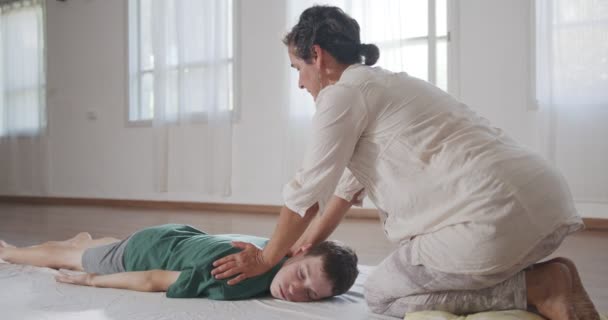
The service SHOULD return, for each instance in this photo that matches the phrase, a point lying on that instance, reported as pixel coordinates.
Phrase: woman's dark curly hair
(334, 31)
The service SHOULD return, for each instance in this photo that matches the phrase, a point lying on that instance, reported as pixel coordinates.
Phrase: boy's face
(301, 279)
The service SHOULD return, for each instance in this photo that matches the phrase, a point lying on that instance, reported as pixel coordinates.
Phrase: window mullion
(140, 73)
(432, 42)
(180, 67)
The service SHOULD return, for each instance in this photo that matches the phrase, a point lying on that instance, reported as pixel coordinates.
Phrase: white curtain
(572, 91)
(572, 52)
(401, 29)
(190, 49)
(23, 139)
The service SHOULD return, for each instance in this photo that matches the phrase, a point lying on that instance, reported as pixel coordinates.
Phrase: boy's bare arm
(148, 281)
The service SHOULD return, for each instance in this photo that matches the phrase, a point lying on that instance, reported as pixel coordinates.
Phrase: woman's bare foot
(585, 310)
(550, 290)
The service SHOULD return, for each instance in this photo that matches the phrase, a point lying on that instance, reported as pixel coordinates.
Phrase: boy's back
(183, 248)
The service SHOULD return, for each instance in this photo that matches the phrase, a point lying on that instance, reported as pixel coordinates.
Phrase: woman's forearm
(324, 225)
(288, 230)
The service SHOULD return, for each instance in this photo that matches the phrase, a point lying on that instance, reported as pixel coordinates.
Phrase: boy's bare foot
(3, 252)
(80, 238)
(76, 241)
(550, 290)
(3, 244)
(585, 310)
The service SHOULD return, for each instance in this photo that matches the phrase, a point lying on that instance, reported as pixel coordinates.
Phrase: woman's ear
(317, 56)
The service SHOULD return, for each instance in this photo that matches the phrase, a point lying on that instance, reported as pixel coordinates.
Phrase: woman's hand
(292, 251)
(245, 264)
(252, 261)
(299, 250)
(84, 279)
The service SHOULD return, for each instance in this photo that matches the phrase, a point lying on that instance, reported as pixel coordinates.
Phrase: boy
(178, 259)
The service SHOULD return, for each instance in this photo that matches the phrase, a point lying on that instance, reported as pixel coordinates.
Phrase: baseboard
(355, 213)
(596, 224)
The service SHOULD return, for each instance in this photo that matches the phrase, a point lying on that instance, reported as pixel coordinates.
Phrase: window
(22, 71)
(572, 52)
(181, 59)
(412, 35)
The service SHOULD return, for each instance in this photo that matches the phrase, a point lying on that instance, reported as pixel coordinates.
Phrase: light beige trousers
(397, 286)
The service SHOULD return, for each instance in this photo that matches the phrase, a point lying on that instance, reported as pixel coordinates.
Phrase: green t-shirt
(183, 248)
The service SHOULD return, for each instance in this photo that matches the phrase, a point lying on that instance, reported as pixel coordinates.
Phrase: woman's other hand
(245, 264)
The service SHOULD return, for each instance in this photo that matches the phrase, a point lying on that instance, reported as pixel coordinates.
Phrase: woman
(471, 209)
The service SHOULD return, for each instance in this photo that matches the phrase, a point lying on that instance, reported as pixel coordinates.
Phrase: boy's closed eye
(309, 292)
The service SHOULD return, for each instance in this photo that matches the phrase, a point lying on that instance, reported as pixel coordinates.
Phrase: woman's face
(308, 74)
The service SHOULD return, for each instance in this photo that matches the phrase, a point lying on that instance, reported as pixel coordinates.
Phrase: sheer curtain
(572, 91)
(23, 139)
(186, 78)
(572, 52)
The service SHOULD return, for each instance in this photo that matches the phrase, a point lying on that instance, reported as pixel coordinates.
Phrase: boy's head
(325, 270)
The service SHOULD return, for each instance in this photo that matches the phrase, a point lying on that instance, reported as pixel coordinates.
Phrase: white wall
(87, 63)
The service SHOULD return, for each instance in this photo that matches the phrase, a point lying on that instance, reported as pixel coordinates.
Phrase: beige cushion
(492, 315)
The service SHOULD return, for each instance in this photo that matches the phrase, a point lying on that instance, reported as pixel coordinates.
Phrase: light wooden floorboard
(30, 224)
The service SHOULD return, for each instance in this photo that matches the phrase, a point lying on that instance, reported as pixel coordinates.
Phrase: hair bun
(370, 52)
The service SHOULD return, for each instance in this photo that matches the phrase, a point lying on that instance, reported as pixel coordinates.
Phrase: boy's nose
(294, 289)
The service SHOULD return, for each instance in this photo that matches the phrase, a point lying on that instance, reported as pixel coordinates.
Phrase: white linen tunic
(469, 198)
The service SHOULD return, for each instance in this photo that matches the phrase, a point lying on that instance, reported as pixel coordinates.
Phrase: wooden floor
(30, 224)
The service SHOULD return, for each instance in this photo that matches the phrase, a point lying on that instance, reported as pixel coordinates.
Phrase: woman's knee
(375, 303)
(377, 300)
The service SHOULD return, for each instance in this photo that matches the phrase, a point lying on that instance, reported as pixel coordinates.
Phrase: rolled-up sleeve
(339, 121)
(348, 187)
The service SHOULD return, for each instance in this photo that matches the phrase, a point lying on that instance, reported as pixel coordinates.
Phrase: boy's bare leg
(81, 240)
(53, 254)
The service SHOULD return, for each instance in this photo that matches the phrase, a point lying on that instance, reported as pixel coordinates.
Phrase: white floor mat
(28, 293)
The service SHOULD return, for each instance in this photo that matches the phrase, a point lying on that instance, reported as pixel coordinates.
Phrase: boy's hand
(245, 264)
(85, 279)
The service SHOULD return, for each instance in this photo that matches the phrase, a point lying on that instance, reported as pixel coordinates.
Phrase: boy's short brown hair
(339, 264)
